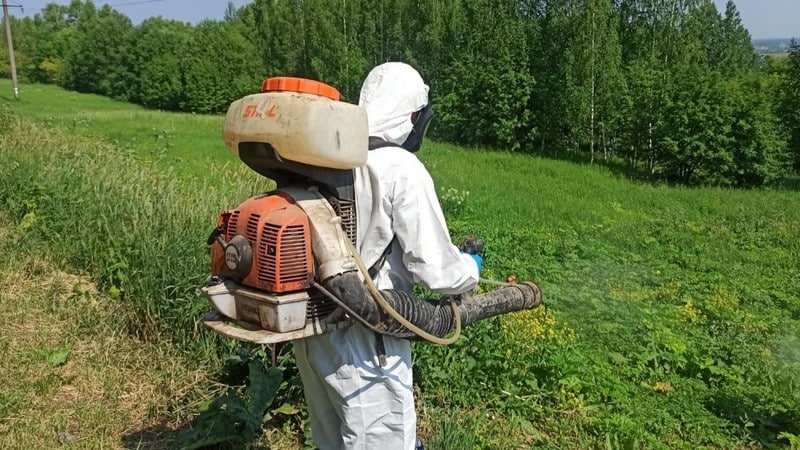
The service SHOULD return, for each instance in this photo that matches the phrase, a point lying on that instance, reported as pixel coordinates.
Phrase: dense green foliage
(790, 107)
(672, 319)
(156, 65)
(95, 60)
(671, 90)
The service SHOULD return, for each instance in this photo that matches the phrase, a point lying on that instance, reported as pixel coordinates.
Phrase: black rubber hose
(349, 288)
(432, 316)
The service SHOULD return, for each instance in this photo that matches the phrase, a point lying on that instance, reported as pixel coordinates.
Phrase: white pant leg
(353, 402)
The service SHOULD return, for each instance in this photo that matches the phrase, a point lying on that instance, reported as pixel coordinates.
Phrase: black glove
(473, 246)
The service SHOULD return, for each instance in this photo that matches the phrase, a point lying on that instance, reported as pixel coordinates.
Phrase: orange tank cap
(301, 85)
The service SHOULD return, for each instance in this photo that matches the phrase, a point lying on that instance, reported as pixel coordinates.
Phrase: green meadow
(671, 318)
(152, 135)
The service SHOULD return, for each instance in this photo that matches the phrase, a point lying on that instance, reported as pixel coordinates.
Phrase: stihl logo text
(262, 110)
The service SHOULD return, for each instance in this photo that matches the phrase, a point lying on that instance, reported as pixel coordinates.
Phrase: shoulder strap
(379, 263)
(376, 142)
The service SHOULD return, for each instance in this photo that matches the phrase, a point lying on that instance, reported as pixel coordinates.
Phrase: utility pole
(10, 50)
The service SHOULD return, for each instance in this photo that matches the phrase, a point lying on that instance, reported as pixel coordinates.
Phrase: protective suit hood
(390, 94)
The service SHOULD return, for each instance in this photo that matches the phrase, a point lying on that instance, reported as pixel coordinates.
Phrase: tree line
(671, 90)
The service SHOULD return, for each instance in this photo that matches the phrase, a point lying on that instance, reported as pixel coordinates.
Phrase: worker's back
(396, 205)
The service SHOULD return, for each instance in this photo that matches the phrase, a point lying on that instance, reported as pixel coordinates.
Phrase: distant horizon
(775, 39)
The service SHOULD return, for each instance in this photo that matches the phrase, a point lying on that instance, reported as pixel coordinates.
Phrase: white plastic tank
(303, 120)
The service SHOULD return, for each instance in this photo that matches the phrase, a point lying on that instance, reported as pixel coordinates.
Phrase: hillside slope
(672, 313)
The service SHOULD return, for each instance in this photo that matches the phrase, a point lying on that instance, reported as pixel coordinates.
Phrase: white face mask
(390, 94)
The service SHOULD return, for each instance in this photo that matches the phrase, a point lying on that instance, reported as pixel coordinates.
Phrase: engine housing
(278, 235)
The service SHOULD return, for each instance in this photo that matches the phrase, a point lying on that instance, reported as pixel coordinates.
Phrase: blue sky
(763, 18)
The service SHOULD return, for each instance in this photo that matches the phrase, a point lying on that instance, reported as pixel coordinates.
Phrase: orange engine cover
(278, 233)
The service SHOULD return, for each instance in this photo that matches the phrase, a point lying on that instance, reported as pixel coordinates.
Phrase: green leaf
(264, 384)
(286, 409)
(58, 357)
(617, 358)
(55, 357)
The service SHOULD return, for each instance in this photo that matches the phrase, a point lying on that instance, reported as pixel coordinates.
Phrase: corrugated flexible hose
(400, 314)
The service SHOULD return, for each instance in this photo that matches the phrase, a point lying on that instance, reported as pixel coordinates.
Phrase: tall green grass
(672, 314)
(139, 229)
(163, 139)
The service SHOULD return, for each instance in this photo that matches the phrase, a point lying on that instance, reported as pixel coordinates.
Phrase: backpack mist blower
(283, 263)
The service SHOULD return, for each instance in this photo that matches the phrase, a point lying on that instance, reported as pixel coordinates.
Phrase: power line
(113, 5)
(137, 3)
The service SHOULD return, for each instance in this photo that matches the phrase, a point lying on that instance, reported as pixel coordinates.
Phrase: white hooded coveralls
(353, 402)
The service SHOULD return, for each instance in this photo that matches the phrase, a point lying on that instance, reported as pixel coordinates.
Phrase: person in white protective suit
(354, 402)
